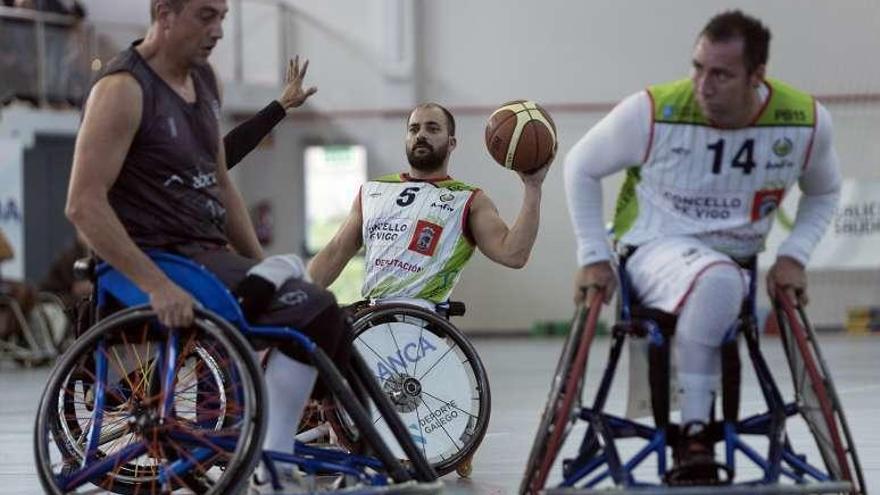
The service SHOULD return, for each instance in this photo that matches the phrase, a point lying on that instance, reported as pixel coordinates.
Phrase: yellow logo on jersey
(782, 147)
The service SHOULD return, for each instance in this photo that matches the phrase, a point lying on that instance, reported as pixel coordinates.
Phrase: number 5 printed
(407, 196)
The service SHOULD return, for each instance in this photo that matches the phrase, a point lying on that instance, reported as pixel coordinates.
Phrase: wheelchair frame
(38, 346)
(599, 459)
(221, 310)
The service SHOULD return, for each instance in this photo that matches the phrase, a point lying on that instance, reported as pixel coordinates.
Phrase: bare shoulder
(118, 85)
(481, 202)
(115, 101)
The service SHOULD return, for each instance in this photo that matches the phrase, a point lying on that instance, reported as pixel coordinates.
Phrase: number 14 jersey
(720, 185)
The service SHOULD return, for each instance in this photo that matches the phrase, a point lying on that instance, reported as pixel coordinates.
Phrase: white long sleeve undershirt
(621, 139)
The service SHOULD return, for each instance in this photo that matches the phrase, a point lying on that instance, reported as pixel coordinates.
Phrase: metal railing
(51, 59)
(39, 57)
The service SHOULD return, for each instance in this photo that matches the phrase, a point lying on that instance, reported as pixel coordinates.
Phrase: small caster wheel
(465, 468)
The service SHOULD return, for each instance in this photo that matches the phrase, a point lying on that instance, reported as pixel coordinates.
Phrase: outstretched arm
(326, 266)
(246, 136)
(512, 246)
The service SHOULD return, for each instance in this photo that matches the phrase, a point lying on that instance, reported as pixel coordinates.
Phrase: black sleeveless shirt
(166, 194)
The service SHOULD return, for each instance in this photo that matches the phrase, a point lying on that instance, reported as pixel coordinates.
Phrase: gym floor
(520, 371)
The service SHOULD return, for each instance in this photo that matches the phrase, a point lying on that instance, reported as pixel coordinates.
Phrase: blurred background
(373, 60)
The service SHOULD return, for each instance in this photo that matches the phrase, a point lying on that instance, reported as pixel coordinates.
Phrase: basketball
(520, 135)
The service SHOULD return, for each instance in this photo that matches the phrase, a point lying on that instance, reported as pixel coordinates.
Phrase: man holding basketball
(419, 228)
(708, 162)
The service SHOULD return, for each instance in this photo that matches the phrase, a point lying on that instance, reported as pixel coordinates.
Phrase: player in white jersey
(709, 160)
(420, 227)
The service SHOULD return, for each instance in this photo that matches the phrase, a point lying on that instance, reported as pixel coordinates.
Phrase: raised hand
(293, 94)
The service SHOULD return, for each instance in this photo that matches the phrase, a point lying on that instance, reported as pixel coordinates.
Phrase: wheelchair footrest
(827, 487)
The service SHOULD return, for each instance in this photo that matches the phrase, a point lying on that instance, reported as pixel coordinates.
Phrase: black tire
(818, 402)
(237, 417)
(565, 391)
(476, 412)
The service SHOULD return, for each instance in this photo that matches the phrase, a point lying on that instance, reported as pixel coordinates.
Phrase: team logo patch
(766, 201)
(447, 197)
(782, 147)
(293, 298)
(425, 238)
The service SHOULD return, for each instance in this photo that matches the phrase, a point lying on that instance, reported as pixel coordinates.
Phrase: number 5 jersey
(416, 236)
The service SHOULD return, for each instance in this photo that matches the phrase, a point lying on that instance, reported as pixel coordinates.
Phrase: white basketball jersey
(414, 235)
(719, 185)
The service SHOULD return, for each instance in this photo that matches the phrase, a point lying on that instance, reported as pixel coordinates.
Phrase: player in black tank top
(149, 172)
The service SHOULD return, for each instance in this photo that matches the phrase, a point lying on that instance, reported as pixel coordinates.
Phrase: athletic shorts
(663, 272)
(296, 304)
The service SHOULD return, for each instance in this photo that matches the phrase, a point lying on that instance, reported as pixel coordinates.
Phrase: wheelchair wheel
(434, 379)
(134, 407)
(562, 402)
(51, 323)
(28, 345)
(817, 398)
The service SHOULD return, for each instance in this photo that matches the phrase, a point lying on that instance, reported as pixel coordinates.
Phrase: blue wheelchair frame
(215, 299)
(599, 458)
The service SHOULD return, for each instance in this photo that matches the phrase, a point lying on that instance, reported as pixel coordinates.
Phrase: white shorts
(663, 272)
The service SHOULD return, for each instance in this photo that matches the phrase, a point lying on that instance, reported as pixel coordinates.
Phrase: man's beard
(428, 162)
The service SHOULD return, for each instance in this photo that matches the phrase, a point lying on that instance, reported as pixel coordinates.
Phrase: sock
(289, 385)
(697, 395)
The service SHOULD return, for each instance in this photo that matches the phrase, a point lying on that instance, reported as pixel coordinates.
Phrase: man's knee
(330, 329)
(327, 325)
(713, 305)
(723, 279)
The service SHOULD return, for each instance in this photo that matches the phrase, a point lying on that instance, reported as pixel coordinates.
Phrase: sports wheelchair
(432, 375)
(599, 458)
(35, 337)
(136, 407)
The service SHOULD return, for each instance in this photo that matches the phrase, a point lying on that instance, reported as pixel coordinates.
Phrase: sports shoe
(290, 479)
(694, 459)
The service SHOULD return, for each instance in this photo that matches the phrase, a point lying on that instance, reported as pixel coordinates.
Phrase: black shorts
(298, 304)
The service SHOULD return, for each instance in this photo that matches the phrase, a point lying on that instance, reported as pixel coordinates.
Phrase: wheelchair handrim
(245, 452)
(842, 459)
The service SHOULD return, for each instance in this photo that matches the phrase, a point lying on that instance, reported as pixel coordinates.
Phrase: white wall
(115, 11)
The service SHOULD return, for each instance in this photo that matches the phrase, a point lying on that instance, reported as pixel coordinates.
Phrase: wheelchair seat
(203, 285)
